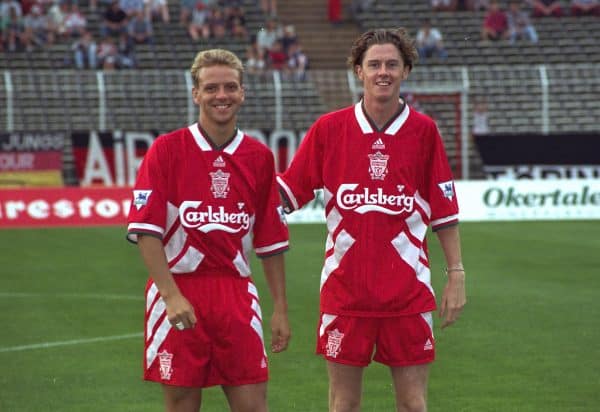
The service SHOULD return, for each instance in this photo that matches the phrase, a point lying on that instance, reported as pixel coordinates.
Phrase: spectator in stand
(255, 60)
(140, 29)
(544, 8)
(236, 22)
(585, 7)
(12, 26)
(217, 23)
(125, 53)
(277, 57)
(114, 21)
(37, 29)
(26, 6)
(186, 8)
(11, 19)
(519, 23)
(495, 23)
(58, 15)
(199, 27)
(75, 22)
(429, 42)
(480, 117)
(237, 29)
(289, 37)
(7, 5)
(443, 5)
(266, 36)
(85, 52)
(269, 7)
(359, 6)
(334, 11)
(108, 53)
(297, 62)
(130, 7)
(477, 5)
(157, 10)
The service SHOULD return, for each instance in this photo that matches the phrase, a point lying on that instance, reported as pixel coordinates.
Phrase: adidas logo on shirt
(378, 144)
(428, 345)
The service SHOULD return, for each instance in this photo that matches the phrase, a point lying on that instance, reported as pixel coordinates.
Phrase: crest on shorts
(334, 342)
(165, 358)
(220, 183)
(378, 165)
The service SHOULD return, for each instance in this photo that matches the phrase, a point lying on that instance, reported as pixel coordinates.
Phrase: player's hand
(280, 331)
(453, 298)
(180, 312)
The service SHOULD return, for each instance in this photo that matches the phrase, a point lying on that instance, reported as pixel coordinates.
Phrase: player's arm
(274, 269)
(153, 255)
(454, 296)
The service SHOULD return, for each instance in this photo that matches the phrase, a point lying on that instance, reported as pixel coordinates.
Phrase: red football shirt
(209, 205)
(382, 190)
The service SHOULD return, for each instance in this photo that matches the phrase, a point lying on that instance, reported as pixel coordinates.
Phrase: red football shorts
(224, 348)
(397, 341)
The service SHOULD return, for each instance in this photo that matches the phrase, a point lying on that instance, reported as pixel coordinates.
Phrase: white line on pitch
(46, 345)
(70, 295)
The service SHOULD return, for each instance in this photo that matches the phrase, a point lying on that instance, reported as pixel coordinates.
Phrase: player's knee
(340, 404)
(254, 402)
(413, 403)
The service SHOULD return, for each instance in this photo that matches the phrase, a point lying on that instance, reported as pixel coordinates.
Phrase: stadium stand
(550, 86)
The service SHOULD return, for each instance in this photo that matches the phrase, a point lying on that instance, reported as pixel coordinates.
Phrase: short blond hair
(215, 57)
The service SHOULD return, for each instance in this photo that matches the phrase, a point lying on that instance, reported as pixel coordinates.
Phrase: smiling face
(219, 95)
(382, 71)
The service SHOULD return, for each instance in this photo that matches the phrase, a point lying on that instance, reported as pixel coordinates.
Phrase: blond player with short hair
(204, 198)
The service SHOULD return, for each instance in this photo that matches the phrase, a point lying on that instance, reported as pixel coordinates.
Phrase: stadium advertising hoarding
(31, 158)
(46, 207)
(112, 158)
(538, 156)
(478, 200)
(109, 158)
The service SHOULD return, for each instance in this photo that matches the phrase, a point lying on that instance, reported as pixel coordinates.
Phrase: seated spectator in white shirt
(266, 36)
(157, 10)
(429, 42)
(75, 22)
(519, 24)
(199, 26)
(38, 29)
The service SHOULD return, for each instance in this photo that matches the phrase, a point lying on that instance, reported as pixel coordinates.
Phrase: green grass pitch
(71, 312)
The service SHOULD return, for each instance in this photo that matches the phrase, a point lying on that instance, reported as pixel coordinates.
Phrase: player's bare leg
(345, 387)
(247, 398)
(182, 399)
(410, 384)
